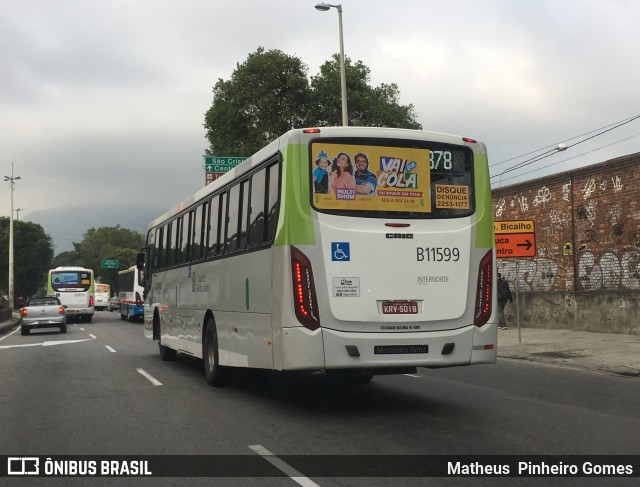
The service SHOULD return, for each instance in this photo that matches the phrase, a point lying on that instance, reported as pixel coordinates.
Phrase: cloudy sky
(103, 102)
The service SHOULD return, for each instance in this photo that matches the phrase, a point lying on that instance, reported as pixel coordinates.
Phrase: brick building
(586, 274)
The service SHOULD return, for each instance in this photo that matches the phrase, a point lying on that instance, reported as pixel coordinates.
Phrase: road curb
(630, 372)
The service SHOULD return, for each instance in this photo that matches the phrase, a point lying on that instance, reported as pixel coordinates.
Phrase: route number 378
(440, 159)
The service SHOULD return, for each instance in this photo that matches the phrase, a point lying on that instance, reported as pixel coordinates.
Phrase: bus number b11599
(438, 254)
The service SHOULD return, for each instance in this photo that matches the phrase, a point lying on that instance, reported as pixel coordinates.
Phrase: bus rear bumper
(446, 348)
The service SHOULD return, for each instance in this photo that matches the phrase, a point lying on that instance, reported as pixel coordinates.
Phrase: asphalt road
(92, 392)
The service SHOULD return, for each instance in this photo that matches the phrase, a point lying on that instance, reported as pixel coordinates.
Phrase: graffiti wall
(587, 228)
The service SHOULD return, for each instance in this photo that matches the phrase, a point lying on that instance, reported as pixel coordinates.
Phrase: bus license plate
(400, 308)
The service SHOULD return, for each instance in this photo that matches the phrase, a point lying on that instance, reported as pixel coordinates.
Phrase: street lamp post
(13, 184)
(323, 7)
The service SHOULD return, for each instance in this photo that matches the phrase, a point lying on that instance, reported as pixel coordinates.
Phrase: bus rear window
(392, 179)
(71, 280)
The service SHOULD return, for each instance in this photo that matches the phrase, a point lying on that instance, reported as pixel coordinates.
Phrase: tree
(104, 243)
(367, 105)
(266, 96)
(68, 258)
(32, 256)
(269, 94)
(109, 243)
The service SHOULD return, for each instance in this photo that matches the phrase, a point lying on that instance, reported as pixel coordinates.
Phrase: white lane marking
(283, 466)
(82, 328)
(153, 380)
(46, 344)
(110, 349)
(92, 335)
(9, 334)
(412, 375)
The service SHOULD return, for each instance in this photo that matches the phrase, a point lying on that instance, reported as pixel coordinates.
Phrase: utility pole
(12, 179)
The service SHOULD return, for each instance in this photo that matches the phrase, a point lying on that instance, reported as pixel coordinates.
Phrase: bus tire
(214, 372)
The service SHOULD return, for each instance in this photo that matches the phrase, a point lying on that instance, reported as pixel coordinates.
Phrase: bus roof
(296, 136)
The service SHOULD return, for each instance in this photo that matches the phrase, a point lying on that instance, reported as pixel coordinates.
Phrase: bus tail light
(90, 301)
(139, 301)
(304, 290)
(484, 289)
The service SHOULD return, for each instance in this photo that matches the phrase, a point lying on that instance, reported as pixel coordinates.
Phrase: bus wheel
(214, 372)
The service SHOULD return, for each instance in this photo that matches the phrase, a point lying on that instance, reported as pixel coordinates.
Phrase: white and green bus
(386, 266)
(74, 286)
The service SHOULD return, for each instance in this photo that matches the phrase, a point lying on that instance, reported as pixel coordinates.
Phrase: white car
(43, 312)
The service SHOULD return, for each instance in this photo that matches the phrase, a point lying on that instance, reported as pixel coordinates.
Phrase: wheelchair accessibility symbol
(340, 251)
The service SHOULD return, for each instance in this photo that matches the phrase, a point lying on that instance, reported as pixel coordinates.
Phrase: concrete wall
(597, 311)
(588, 247)
(5, 314)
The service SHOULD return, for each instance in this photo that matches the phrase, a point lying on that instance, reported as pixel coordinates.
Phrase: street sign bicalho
(515, 238)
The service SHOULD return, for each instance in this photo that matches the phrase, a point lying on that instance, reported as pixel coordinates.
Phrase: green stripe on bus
(484, 205)
(295, 226)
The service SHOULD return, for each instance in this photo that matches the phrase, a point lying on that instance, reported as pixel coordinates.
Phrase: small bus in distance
(102, 296)
(130, 295)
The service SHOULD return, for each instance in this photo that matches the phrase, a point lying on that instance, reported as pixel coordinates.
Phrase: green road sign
(221, 164)
(111, 264)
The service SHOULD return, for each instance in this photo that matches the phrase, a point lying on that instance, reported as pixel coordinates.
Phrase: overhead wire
(574, 157)
(556, 148)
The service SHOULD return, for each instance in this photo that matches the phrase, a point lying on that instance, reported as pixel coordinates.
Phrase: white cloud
(122, 87)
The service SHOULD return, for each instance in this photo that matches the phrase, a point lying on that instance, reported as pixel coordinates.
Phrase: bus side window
(157, 256)
(243, 214)
(185, 244)
(222, 223)
(174, 243)
(258, 193)
(167, 245)
(196, 247)
(215, 222)
(233, 219)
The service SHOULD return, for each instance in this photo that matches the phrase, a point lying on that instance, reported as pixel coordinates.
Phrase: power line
(560, 147)
(573, 157)
(622, 122)
(555, 147)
